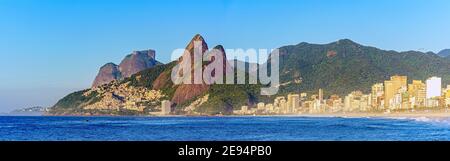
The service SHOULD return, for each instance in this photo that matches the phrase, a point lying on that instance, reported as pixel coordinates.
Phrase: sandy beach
(434, 114)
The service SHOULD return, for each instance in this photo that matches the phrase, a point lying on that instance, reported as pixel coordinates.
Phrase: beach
(431, 114)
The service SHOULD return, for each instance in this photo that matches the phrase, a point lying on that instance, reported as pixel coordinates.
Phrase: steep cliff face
(131, 64)
(338, 67)
(142, 92)
(186, 92)
(107, 73)
(137, 61)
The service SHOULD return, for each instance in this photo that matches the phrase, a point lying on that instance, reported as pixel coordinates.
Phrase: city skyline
(391, 96)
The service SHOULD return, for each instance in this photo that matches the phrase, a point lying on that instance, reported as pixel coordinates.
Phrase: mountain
(344, 66)
(131, 64)
(186, 92)
(142, 93)
(339, 68)
(203, 98)
(107, 73)
(444, 53)
(137, 61)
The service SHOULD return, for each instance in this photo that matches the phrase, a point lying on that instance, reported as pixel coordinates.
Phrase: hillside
(131, 64)
(344, 66)
(125, 97)
(339, 68)
(444, 53)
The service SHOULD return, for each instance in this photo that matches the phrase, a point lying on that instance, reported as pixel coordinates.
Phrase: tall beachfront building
(433, 87)
(165, 107)
(391, 88)
(293, 102)
(417, 92)
(377, 95)
(447, 96)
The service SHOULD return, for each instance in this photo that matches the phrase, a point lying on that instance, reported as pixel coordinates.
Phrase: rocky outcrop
(131, 64)
(143, 92)
(107, 73)
(137, 61)
(186, 92)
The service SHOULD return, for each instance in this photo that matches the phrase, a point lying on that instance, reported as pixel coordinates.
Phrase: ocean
(248, 128)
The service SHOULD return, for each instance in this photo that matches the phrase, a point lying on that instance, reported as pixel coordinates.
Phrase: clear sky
(49, 48)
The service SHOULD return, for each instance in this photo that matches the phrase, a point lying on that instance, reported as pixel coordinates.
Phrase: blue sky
(49, 48)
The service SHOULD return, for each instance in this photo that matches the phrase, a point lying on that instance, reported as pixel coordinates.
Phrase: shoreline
(433, 113)
(383, 115)
(342, 115)
(430, 114)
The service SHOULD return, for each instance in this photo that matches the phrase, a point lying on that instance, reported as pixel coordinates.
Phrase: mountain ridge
(130, 64)
(444, 53)
(120, 97)
(356, 64)
(338, 67)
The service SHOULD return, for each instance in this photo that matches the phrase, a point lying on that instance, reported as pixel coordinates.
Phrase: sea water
(251, 128)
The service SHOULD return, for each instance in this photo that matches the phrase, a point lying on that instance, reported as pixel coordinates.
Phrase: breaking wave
(434, 120)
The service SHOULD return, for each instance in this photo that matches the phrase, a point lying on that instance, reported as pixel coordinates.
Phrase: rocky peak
(150, 53)
(227, 67)
(137, 61)
(131, 64)
(188, 91)
(221, 50)
(197, 43)
(197, 39)
(220, 47)
(346, 42)
(107, 73)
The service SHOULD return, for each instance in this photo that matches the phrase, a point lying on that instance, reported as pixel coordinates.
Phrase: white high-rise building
(433, 87)
(165, 107)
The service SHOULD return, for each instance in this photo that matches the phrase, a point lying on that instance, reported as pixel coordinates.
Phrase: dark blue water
(221, 128)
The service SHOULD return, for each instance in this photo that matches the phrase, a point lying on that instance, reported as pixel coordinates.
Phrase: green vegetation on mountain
(339, 68)
(344, 66)
(224, 98)
(73, 102)
(444, 53)
(146, 77)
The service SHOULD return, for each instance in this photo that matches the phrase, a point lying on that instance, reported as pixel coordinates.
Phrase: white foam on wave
(432, 120)
(401, 118)
(423, 119)
(435, 120)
